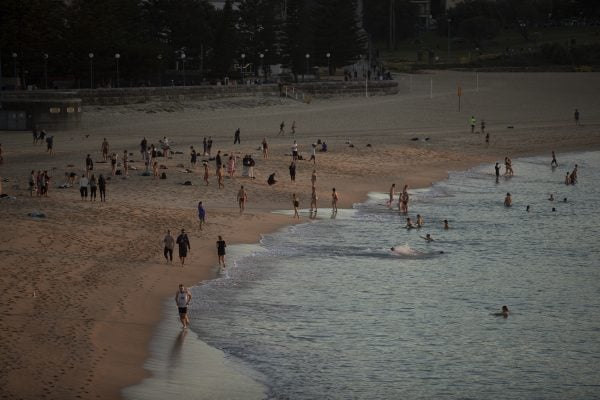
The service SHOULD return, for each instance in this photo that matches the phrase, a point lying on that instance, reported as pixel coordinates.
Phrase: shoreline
(98, 282)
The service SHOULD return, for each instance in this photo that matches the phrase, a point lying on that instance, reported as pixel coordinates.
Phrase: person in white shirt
(182, 299)
(83, 184)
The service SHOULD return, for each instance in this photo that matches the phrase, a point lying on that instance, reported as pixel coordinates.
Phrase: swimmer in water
(508, 200)
(427, 238)
(420, 221)
(527, 209)
(504, 313)
(446, 226)
(551, 198)
(565, 200)
(409, 224)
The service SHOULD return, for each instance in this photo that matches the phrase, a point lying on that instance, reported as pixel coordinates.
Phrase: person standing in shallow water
(334, 200)
(508, 200)
(576, 116)
(182, 299)
(221, 251)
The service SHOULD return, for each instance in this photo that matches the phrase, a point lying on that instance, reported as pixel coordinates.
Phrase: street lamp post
(91, 56)
(307, 59)
(117, 57)
(243, 68)
(45, 55)
(328, 55)
(15, 56)
(183, 67)
(159, 58)
(449, 20)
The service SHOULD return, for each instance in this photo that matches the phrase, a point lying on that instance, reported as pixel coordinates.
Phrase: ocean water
(324, 310)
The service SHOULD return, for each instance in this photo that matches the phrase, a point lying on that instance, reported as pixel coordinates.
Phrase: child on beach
(221, 251)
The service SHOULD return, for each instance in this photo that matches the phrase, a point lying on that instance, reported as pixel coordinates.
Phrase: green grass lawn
(462, 51)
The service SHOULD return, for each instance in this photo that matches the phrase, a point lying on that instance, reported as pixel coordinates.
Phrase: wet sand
(84, 289)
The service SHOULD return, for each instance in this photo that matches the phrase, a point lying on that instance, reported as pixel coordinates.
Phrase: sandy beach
(83, 288)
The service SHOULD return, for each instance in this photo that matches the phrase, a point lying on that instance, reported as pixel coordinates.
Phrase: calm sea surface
(326, 310)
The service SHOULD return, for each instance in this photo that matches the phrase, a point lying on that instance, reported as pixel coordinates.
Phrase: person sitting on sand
(504, 313)
(271, 180)
(427, 238)
(508, 200)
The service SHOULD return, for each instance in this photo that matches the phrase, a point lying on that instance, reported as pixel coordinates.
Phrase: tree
(225, 44)
(257, 28)
(377, 19)
(296, 38)
(338, 32)
(478, 28)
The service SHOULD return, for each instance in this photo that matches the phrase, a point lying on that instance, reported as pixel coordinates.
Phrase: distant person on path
(184, 245)
(576, 116)
(242, 198)
(236, 136)
(473, 121)
(508, 200)
(221, 251)
(334, 200)
(201, 214)
(104, 149)
(49, 144)
(182, 299)
(169, 245)
(102, 187)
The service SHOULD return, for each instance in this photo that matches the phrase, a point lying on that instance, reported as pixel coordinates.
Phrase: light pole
(45, 55)
(183, 66)
(449, 20)
(262, 56)
(243, 68)
(159, 58)
(15, 56)
(117, 57)
(91, 56)
(307, 58)
(328, 55)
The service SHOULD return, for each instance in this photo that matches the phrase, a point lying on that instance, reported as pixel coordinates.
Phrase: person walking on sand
(169, 245)
(281, 126)
(83, 184)
(113, 164)
(220, 174)
(93, 187)
(125, 163)
(242, 198)
(231, 166)
(102, 187)
(155, 170)
(313, 178)
(265, 148)
(294, 151)
(236, 136)
(221, 251)
(104, 149)
(206, 172)
(293, 131)
(182, 299)
(473, 122)
(313, 200)
(184, 246)
(576, 116)
(193, 157)
(334, 200)
(50, 145)
(313, 153)
(292, 169)
(553, 163)
(201, 214)
(89, 165)
(296, 205)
